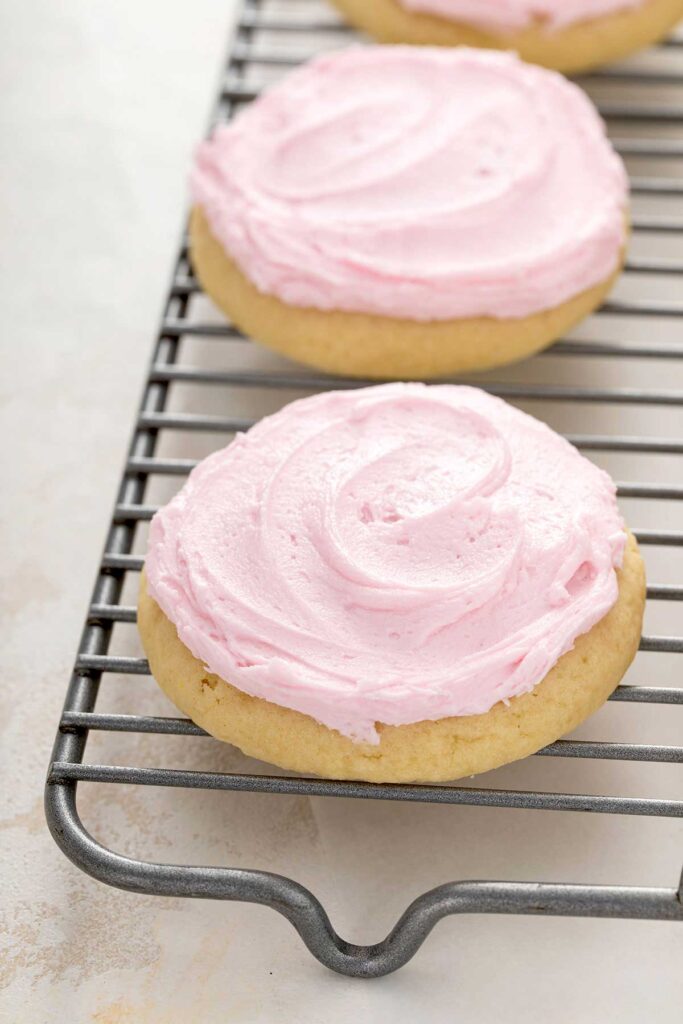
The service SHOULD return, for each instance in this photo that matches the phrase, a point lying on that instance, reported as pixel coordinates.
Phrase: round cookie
(615, 29)
(424, 557)
(502, 224)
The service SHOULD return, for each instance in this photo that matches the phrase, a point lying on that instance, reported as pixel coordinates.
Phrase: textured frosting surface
(391, 554)
(417, 182)
(513, 15)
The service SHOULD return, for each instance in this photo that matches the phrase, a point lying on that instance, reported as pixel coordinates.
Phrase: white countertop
(101, 103)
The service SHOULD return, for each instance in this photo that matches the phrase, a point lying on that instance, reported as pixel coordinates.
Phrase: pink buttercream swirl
(421, 183)
(390, 554)
(515, 15)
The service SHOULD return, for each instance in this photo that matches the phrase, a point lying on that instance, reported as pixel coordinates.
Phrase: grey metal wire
(94, 661)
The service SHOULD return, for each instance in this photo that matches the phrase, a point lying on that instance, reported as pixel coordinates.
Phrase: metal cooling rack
(604, 369)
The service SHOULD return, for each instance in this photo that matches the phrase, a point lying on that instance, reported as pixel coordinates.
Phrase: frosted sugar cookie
(395, 583)
(410, 212)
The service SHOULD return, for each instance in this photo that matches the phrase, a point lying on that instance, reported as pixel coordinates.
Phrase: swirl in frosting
(515, 15)
(420, 183)
(390, 554)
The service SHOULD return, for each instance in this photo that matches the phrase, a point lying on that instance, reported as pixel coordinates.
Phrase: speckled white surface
(100, 104)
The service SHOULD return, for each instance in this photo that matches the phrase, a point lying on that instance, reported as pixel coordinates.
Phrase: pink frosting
(422, 183)
(512, 15)
(390, 554)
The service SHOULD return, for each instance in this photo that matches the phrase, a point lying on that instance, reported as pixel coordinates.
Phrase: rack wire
(642, 101)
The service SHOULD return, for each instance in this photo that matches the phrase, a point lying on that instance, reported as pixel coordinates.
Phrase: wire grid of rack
(642, 100)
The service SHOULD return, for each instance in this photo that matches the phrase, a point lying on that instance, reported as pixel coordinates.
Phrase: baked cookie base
(447, 749)
(578, 47)
(377, 347)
